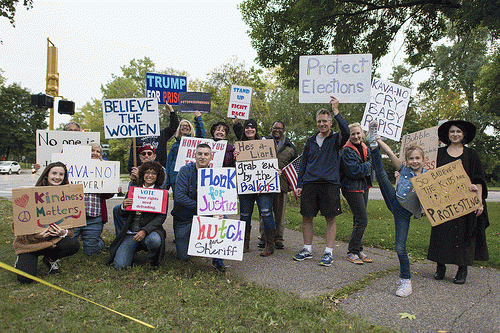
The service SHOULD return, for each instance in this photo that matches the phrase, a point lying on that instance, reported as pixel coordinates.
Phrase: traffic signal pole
(52, 78)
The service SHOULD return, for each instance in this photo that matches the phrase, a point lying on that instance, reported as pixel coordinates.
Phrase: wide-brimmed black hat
(250, 123)
(468, 128)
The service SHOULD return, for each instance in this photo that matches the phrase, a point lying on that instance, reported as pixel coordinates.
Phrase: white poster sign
(217, 193)
(259, 176)
(187, 151)
(240, 100)
(344, 76)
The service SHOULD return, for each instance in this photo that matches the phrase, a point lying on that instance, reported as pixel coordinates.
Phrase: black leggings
(27, 262)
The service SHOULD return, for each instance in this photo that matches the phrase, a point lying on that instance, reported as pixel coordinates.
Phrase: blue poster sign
(165, 88)
(194, 101)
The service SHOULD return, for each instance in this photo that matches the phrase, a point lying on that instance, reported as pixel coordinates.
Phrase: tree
(283, 30)
(8, 8)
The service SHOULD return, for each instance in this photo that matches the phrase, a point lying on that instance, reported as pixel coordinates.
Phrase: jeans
(357, 201)
(118, 219)
(182, 232)
(401, 215)
(280, 201)
(125, 252)
(91, 235)
(265, 204)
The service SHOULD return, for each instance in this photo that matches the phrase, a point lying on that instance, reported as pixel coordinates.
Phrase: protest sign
(255, 150)
(259, 176)
(217, 193)
(240, 101)
(48, 142)
(216, 238)
(387, 105)
(426, 139)
(96, 176)
(194, 101)
(165, 88)
(130, 117)
(150, 200)
(444, 193)
(35, 208)
(345, 76)
(187, 151)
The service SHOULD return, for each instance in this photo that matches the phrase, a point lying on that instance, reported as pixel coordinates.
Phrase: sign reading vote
(217, 193)
(187, 151)
(150, 200)
(165, 88)
(426, 139)
(194, 101)
(35, 209)
(345, 76)
(388, 104)
(259, 176)
(240, 100)
(49, 142)
(444, 193)
(255, 150)
(130, 117)
(216, 238)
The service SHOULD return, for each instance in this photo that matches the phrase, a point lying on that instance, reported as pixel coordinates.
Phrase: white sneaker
(404, 289)
(372, 134)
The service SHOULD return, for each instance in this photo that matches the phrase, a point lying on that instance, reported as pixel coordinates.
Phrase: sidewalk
(437, 305)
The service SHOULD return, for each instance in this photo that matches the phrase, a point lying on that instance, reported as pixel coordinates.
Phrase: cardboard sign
(35, 208)
(96, 176)
(426, 139)
(49, 142)
(240, 101)
(216, 238)
(187, 151)
(255, 150)
(194, 101)
(165, 88)
(444, 193)
(388, 104)
(260, 176)
(345, 76)
(150, 200)
(217, 193)
(130, 117)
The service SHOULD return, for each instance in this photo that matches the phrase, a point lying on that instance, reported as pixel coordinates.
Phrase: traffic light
(42, 101)
(66, 107)
(52, 82)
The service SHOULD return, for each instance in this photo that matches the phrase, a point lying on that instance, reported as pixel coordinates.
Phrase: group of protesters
(332, 163)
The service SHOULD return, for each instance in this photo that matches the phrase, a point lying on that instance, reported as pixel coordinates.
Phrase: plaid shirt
(92, 204)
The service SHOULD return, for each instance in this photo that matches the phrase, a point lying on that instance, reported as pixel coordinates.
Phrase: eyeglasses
(184, 126)
(150, 173)
(147, 153)
(278, 128)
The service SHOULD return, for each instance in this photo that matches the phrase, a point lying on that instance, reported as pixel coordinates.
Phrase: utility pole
(52, 79)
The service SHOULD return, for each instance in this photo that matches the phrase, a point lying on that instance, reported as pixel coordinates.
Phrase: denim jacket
(405, 193)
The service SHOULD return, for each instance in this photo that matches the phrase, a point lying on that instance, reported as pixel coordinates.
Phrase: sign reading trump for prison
(165, 88)
(345, 76)
(130, 117)
(217, 193)
(444, 193)
(387, 105)
(216, 238)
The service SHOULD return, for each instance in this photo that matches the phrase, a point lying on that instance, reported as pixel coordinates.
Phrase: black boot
(440, 271)
(269, 244)
(461, 275)
(246, 242)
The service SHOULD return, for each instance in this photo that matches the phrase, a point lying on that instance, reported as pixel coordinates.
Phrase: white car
(10, 167)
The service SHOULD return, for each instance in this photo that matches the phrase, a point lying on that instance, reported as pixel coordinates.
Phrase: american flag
(291, 172)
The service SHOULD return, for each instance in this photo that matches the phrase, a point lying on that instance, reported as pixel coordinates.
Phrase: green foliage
(8, 8)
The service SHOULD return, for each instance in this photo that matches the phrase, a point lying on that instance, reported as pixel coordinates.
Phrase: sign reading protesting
(150, 200)
(426, 139)
(216, 238)
(194, 101)
(217, 193)
(255, 150)
(240, 100)
(187, 151)
(165, 88)
(130, 117)
(444, 193)
(96, 176)
(345, 76)
(388, 104)
(49, 142)
(259, 176)
(34, 209)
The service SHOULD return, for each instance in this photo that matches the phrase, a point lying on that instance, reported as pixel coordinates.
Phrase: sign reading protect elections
(130, 117)
(165, 88)
(345, 76)
(240, 100)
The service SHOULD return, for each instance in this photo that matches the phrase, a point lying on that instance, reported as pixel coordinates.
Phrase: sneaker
(351, 257)
(404, 289)
(326, 259)
(372, 134)
(364, 258)
(262, 243)
(303, 254)
(219, 265)
(53, 266)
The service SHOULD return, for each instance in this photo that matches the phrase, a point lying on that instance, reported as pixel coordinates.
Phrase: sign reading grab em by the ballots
(345, 76)
(216, 238)
(387, 105)
(240, 100)
(165, 88)
(130, 117)
(217, 193)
